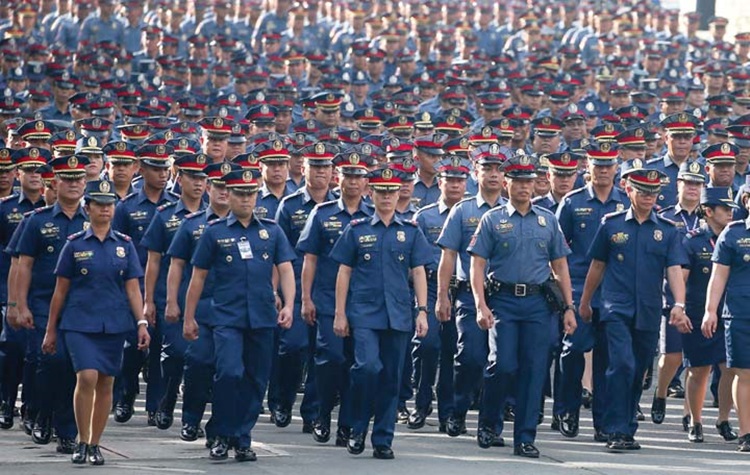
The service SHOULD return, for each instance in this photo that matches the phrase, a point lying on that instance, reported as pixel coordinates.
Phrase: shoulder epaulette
(130, 196)
(166, 205)
(666, 221)
(194, 214)
(9, 197)
(76, 235)
(665, 209)
(613, 214)
(123, 236)
(217, 220)
(173, 194)
(40, 210)
(356, 222)
(654, 160)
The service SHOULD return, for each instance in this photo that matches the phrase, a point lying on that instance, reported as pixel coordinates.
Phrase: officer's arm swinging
(340, 322)
(174, 279)
(12, 307)
(677, 316)
(445, 271)
(309, 266)
(716, 286)
(562, 274)
(593, 280)
(135, 299)
(153, 263)
(194, 291)
(485, 319)
(62, 286)
(288, 289)
(419, 277)
(23, 274)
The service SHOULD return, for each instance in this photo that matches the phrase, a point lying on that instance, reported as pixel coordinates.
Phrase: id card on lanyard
(243, 245)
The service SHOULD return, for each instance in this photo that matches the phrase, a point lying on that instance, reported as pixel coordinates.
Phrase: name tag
(245, 251)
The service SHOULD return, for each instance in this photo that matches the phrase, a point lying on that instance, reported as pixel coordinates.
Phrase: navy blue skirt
(99, 351)
(737, 339)
(697, 350)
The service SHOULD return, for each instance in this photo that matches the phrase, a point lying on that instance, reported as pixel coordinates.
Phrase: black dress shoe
(526, 450)
(600, 436)
(725, 430)
(42, 433)
(28, 425)
(587, 398)
(220, 449)
(696, 433)
(79, 454)
(639, 413)
(6, 416)
(658, 410)
(210, 441)
(151, 421)
(95, 455)
(555, 424)
(189, 433)
(569, 425)
(282, 417)
(321, 431)
(417, 419)
(686, 423)
(342, 436)
(307, 427)
(65, 446)
(402, 417)
(631, 443)
(676, 391)
(164, 420)
(245, 454)
(509, 415)
(616, 443)
(123, 412)
(455, 426)
(356, 444)
(487, 437)
(442, 427)
(383, 452)
(744, 443)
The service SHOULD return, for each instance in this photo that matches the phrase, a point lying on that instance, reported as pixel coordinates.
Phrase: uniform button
(620, 257)
(706, 270)
(84, 271)
(583, 225)
(140, 228)
(50, 248)
(229, 258)
(122, 272)
(746, 258)
(505, 244)
(366, 257)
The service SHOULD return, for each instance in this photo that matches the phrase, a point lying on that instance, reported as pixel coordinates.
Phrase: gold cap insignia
(387, 174)
(277, 145)
(725, 148)
(73, 163)
(225, 168)
(34, 153)
(161, 150)
(70, 136)
(247, 176)
(565, 158)
(694, 167)
(92, 142)
(120, 146)
(605, 147)
(200, 159)
(39, 126)
(652, 176)
(354, 158)
(320, 148)
(104, 186)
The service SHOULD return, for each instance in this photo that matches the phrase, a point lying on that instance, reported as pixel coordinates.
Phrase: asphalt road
(135, 447)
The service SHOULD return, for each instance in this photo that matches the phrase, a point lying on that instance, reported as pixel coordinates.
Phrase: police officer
(520, 241)
(132, 217)
(38, 248)
(94, 329)
(274, 161)
(702, 353)
(167, 219)
(729, 277)
(333, 355)
(428, 151)
(373, 303)
(242, 250)
(630, 253)
(579, 214)
(296, 345)
(459, 227)
(438, 347)
(12, 209)
(199, 355)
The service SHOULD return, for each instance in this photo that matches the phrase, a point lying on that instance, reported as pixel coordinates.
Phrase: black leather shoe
(455, 426)
(245, 454)
(510, 414)
(321, 431)
(696, 433)
(220, 449)
(442, 427)
(587, 398)
(342, 436)
(151, 421)
(65, 446)
(123, 412)
(95, 455)
(487, 437)
(6, 416)
(600, 436)
(526, 450)
(676, 391)
(79, 454)
(555, 424)
(569, 425)
(282, 417)
(28, 425)
(416, 419)
(210, 441)
(639, 413)
(631, 443)
(42, 433)
(383, 452)
(744, 443)
(686, 423)
(725, 430)
(658, 410)
(164, 420)
(616, 443)
(402, 417)
(189, 433)
(307, 427)
(356, 444)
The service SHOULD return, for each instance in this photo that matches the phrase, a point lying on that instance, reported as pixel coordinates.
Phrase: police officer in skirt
(94, 326)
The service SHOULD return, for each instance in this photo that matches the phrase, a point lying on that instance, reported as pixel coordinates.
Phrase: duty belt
(493, 286)
(433, 275)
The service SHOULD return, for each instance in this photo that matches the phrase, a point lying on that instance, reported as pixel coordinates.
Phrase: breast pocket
(368, 257)
(401, 255)
(506, 245)
(584, 226)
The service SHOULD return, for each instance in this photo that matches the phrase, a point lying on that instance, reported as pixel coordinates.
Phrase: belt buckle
(519, 290)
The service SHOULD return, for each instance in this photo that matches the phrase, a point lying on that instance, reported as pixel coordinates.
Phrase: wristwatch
(679, 305)
(422, 308)
(569, 307)
(142, 322)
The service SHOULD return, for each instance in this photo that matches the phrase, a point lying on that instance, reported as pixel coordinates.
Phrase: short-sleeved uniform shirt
(97, 301)
(733, 250)
(430, 220)
(699, 244)
(12, 209)
(380, 257)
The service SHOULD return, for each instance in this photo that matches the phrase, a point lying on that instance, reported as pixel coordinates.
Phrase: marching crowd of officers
(458, 205)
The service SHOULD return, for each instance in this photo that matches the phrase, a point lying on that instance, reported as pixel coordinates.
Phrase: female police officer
(94, 326)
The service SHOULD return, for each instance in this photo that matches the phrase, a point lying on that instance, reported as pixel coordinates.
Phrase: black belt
(463, 286)
(433, 275)
(518, 290)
